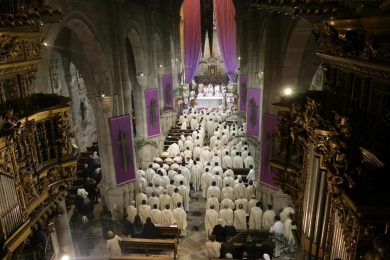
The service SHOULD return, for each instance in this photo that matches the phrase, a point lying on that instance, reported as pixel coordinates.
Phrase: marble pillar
(64, 237)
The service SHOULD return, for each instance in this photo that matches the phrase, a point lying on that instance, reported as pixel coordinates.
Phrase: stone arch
(158, 49)
(85, 67)
(295, 51)
(136, 61)
(138, 51)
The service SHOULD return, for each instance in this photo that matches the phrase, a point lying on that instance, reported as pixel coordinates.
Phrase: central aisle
(192, 245)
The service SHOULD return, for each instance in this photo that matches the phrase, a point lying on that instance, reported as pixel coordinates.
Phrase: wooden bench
(166, 230)
(149, 244)
(140, 257)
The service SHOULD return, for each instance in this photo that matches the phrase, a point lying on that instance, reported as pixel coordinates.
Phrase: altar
(209, 102)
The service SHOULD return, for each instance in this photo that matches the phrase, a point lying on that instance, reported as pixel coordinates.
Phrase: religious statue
(253, 116)
(83, 109)
(152, 111)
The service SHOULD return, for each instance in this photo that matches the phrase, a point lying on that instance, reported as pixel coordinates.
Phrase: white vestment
(165, 199)
(228, 173)
(238, 162)
(251, 175)
(139, 198)
(181, 219)
(155, 215)
(227, 162)
(185, 193)
(287, 227)
(228, 202)
(131, 211)
(250, 191)
(175, 198)
(205, 182)
(210, 220)
(251, 204)
(240, 219)
(227, 193)
(255, 218)
(249, 161)
(113, 245)
(196, 153)
(213, 249)
(239, 190)
(144, 212)
(229, 180)
(196, 174)
(284, 214)
(167, 217)
(226, 215)
(154, 201)
(213, 191)
(268, 219)
(212, 201)
(173, 149)
(243, 202)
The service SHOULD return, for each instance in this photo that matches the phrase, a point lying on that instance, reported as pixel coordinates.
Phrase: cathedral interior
(321, 142)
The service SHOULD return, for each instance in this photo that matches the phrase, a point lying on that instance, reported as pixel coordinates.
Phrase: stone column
(139, 105)
(64, 236)
(103, 111)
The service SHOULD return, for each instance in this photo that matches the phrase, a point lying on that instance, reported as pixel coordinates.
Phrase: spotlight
(239, 58)
(45, 44)
(140, 74)
(287, 91)
(65, 257)
(161, 66)
(102, 94)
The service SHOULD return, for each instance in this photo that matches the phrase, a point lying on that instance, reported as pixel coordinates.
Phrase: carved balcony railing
(38, 161)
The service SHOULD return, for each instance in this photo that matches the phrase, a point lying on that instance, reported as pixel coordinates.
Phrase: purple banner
(167, 91)
(270, 124)
(243, 91)
(253, 112)
(123, 148)
(152, 112)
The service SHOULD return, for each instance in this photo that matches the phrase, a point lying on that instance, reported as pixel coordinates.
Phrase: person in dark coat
(150, 230)
(127, 227)
(227, 248)
(230, 230)
(219, 231)
(250, 248)
(138, 227)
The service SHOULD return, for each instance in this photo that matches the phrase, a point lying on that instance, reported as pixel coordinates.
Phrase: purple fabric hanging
(226, 31)
(192, 42)
(123, 148)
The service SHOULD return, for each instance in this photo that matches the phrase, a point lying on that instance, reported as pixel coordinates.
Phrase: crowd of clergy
(189, 164)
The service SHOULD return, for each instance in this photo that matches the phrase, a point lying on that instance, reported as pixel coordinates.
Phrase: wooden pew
(166, 230)
(149, 244)
(140, 257)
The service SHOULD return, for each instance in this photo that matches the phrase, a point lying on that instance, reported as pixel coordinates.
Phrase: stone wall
(66, 80)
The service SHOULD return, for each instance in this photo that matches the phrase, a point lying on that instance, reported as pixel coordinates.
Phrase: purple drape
(226, 31)
(192, 42)
(123, 148)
